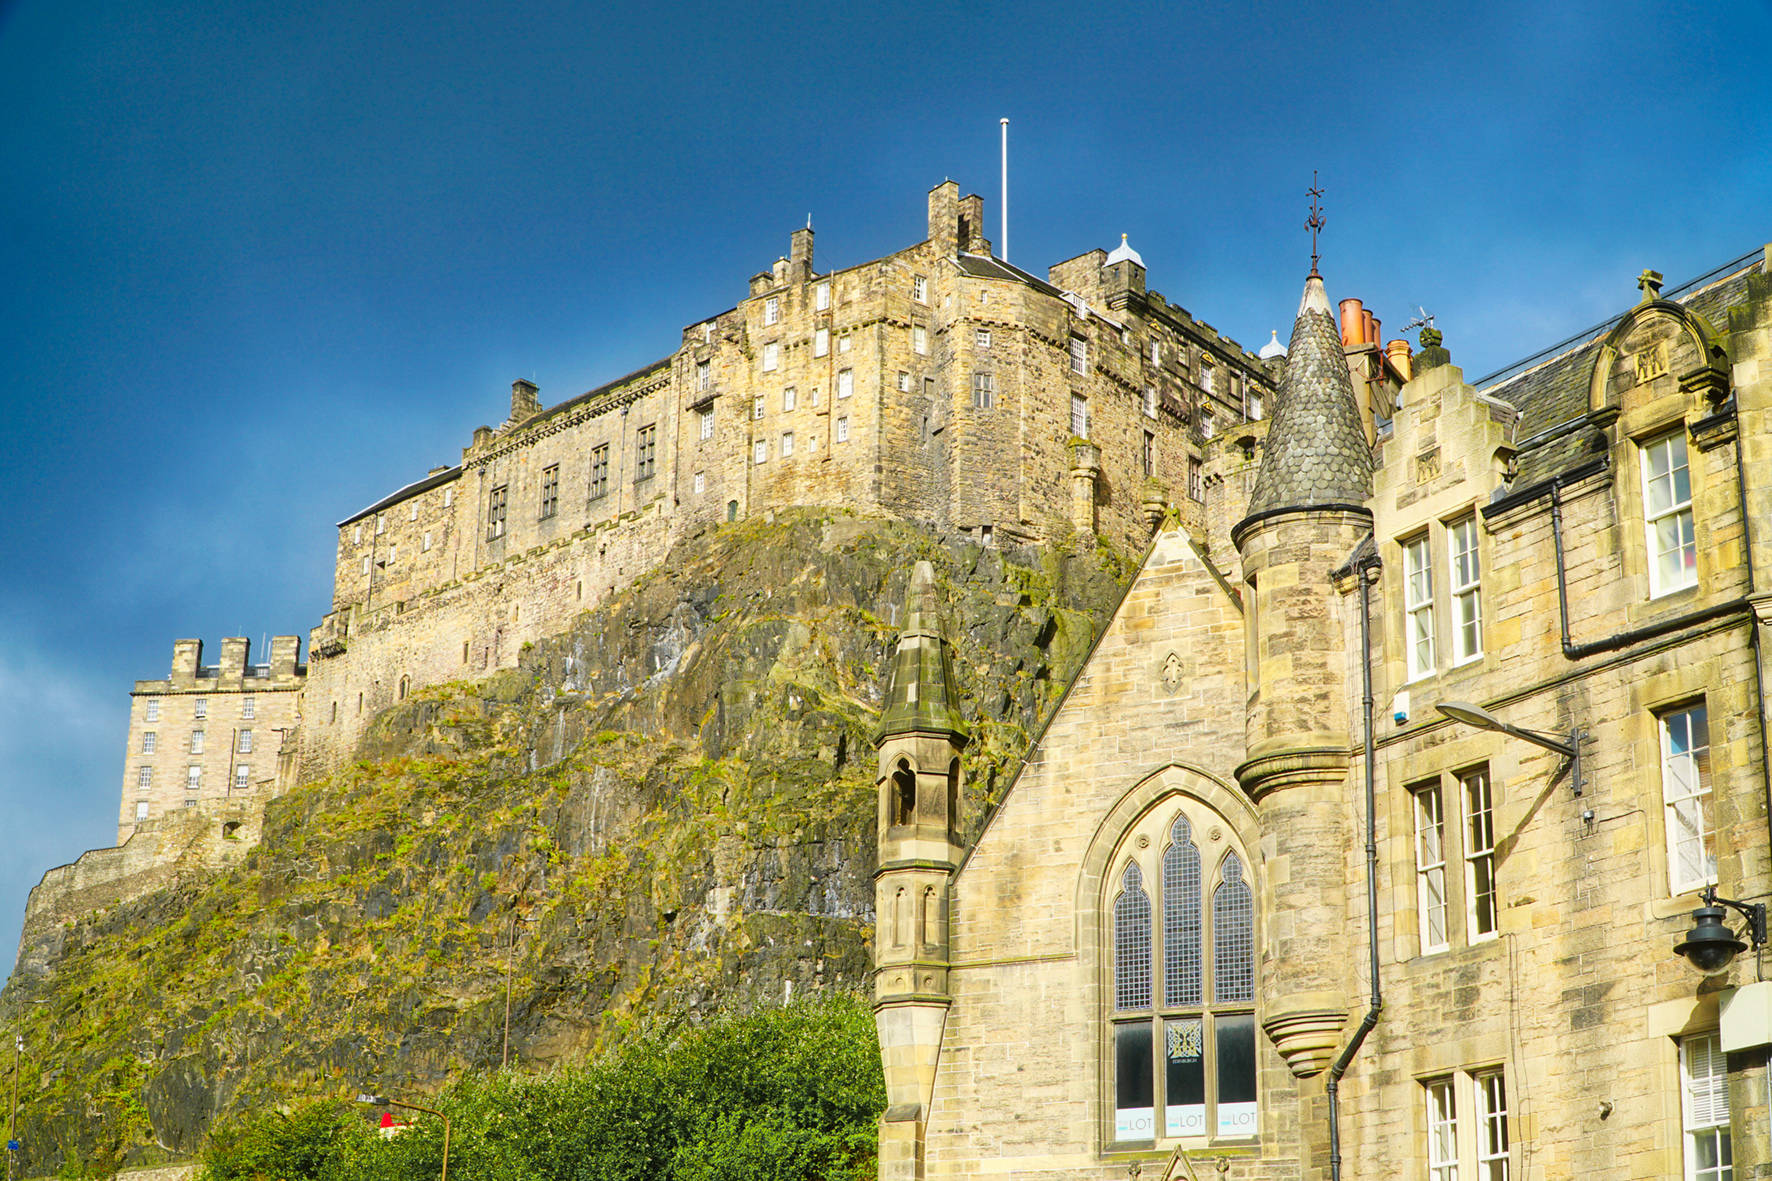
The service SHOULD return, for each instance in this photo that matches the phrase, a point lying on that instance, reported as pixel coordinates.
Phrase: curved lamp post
(1569, 745)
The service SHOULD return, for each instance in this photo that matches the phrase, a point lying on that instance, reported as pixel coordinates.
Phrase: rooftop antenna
(1422, 319)
(1314, 222)
(809, 220)
(1003, 250)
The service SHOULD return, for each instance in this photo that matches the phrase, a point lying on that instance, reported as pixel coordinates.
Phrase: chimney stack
(800, 255)
(1353, 323)
(944, 218)
(524, 403)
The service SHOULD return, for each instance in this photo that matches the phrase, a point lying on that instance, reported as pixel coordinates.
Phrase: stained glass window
(1233, 936)
(1181, 917)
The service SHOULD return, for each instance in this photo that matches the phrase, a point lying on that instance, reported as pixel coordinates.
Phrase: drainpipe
(1747, 544)
(1367, 572)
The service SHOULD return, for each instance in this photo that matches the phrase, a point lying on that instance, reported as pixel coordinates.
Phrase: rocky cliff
(666, 809)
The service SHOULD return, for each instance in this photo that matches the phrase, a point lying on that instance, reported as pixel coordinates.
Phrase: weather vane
(1315, 221)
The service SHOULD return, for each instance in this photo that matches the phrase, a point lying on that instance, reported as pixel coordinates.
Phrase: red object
(387, 1119)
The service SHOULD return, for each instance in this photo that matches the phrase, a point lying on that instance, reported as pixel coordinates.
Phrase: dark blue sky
(262, 264)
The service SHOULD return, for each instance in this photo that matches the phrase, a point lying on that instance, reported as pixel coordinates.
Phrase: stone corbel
(1710, 379)
(1306, 1035)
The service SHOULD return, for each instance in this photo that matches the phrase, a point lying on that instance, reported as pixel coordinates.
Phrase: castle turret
(920, 738)
(1306, 514)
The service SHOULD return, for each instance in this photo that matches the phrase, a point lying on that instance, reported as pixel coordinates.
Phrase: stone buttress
(920, 739)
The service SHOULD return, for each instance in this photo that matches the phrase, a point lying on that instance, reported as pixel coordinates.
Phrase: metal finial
(1315, 221)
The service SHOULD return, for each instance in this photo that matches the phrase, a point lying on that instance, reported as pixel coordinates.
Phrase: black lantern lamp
(1710, 944)
(1568, 745)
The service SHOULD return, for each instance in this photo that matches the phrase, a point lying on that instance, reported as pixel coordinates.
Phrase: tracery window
(1182, 1021)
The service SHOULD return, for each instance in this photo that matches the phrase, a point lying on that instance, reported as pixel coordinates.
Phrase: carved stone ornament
(1171, 672)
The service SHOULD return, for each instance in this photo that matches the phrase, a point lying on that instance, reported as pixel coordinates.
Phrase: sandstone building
(1256, 908)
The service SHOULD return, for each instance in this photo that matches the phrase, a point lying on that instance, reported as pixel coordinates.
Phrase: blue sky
(262, 264)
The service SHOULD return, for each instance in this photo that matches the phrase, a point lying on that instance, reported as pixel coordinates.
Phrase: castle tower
(1307, 513)
(920, 739)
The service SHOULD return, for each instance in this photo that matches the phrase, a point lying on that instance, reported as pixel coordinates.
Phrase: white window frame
(1079, 416)
(1442, 1128)
(200, 707)
(198, 740)
(357, 535)
(245, 743)
(242, 777)
(904, 382)
(919, 340)
(787, 444)
(425, 544)
(772, 310)
(1494, 1143)
(845, 383)
(701, 483)
(844, 341)
(1465, 567)
(141, 810)
(790, 398)
(1664, 508)
(821, 342)
(704, 375)
(1150, 401)
(920, 288)
(1427, 804)
(982, 338)
(759, 406)
(771, 357)
(822, 297)
(984, 391)
(1079, 354)
(706, 418)
(1686, 790)
(248, 708)
(843, 429)
(760, 452)
(1704, 1106)
(1156, 352)
(151, 711)
(1476, 792)
(150, 740)
(193, 778)
(1418, 607)
(144, 777)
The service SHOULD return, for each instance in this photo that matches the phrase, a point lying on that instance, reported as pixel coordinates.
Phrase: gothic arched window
(1184, 1051)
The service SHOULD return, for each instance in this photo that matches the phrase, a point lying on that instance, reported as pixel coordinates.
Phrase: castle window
(1196, 479)
(600, 470)
(1704, 1109)
(1467, 594)
(1079, 416)
(1430, 866)
(1685, 796)
(919, 340)
(200, 707)
(789, 398)
(1183, 1044)
(334, 718)
(904, 382)
(1208, 374)
(1481, 918)
(732, 510)
(193, 779)
(760, 451)
(448, 497)
(550, 491)
(645, 451)
(1478, 1147)
(144, 777)
(1148, 456)
(904, 794)
(701, 483)
(705, 422)
(771, 310)
(920, 289)
(248, 708)
(151, 711)
(393, 552)
(771, 356)
(357, 535)
(759, 406)
(821, 342)
(495, 513)
(196, 742)
(412, 511)
(245, 742)
(405, 686)
(982, 338)
(141, 809)
(704, 375)
(149, 741)
(380, 525)
(242, 777)
(787, 444)
(984, 393)
(845, 383)
(1079, 355)
(822, 296)
(954, 796)
(365, 563)
(424, 545)
(843, 430)
(843, 343)
(1208, 428)
(1252, 408)
(1418, 607)
(1150, 401)
(1667, 512)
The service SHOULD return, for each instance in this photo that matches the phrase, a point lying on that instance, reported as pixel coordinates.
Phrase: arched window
(904, 794)
(1184, 1051)
(405, 687)
(954, 801)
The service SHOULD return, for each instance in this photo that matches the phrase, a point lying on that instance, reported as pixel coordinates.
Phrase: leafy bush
(785, 1094)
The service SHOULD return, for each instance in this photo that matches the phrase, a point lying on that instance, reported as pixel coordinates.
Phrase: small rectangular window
(245, 742)
(550, 491)
(760, 452)
(1156, 352)
(599, 471)
(1150, 401)
(448, 497)
(1079, 355)
(843, 430)
(200, 707)
(1079, 416)
(1667, 514)
(1467, 595)
(495, 513)
(248, 708)
(1148, 457)
(149, 741)
(1442, 1130)
(645, 451)
(1479, 854)
(1418, 607)
(704, 375)
(1196, 479)
(1208, 427)
(1208, 374)
(144, 776)
(904, 382)
(1492, 1137)
(1704, 1109)
(920, 289)
(141, 808)
(151, 712)
(393, 553)
(705, 423)
(759, 406)
(1252, 407)
(821, 342)
(424, 546)
(412, 511)
(984, 391)
(381, 525)
(365, 563)
(845, 383)
(242, 777)
(701, 483)
(771, 356)
(357, 535)
(1430, 866)
(197, 738)
(843, 343)
(822, 296)
(789, 398)
(1686, 798)
(771, 310)
(193, 778)
(919, 340)
(787, 444)
(982, 338)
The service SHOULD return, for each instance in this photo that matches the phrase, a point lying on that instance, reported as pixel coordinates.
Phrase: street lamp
(1568, 746)
(1710, 945)
(384, 1101)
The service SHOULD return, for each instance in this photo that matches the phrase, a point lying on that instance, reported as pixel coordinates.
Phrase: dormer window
(1667, 515)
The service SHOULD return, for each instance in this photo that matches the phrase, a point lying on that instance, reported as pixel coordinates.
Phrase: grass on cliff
(789, 1093)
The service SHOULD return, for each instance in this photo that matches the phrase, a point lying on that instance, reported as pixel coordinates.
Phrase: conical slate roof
(1316, 451)
(921, 698)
